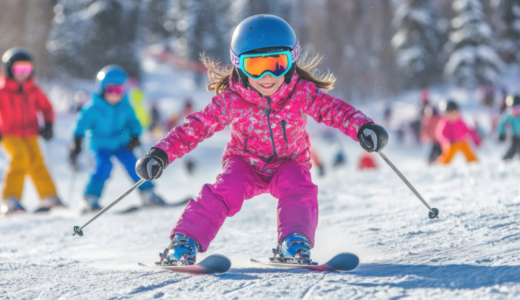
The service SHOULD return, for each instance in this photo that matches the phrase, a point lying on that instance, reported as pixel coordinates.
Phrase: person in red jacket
(21, 100)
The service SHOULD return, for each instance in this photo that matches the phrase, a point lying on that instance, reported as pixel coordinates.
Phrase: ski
(341, 262)
(212, 264)
(137, 208)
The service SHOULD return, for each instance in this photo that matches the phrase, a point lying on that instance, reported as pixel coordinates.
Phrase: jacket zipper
(284, 123)
(271, 133)
(245, 144)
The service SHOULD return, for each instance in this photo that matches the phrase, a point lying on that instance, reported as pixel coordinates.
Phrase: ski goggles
(22, 67)
(115, 89)
(257, 65)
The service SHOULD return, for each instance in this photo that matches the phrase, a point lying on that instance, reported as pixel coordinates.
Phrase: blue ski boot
(10, 206)
(294, 249)
(181, 252)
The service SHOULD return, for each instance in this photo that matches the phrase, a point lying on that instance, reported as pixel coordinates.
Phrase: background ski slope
(471, 252)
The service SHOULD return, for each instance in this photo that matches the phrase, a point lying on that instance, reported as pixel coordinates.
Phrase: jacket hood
(253, 96)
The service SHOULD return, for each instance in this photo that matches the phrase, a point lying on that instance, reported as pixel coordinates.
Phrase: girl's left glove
(152, 164)
(372, 137)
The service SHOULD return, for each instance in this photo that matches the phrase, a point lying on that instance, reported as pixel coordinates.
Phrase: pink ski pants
(291, 184)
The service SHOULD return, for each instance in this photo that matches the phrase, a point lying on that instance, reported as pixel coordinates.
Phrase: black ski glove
(133, 143)
(75, 150)
(152, 164)
(501, 137)
(46, 132)
(372, 137)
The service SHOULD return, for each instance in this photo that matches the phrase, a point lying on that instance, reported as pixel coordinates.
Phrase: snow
(471, 252)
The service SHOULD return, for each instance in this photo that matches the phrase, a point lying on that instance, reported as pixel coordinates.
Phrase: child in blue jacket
(113, 130)
(512, 116)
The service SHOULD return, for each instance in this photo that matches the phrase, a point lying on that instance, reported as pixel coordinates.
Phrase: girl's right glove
(372, 137)
(152, 164)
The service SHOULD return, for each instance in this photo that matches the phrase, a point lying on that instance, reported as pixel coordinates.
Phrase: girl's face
(267, 85)
(453, 115)
(114, 98)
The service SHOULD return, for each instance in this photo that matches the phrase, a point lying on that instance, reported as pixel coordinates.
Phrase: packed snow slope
(471, 252)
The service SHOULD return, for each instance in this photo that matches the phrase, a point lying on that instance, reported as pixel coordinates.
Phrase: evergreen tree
(472, 61)
(417, 42)
(508, 19)
(89, 35)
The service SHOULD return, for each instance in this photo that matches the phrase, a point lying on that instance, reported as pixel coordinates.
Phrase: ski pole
(78, 230)
(434, 213)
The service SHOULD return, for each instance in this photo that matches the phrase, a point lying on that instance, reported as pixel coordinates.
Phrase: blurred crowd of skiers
(118, 114)
(112, 121)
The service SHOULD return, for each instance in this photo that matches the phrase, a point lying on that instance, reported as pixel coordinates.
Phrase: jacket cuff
(159, 153)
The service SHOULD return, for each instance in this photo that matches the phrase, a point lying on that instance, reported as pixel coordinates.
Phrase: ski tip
(216, 262)
(344, 261)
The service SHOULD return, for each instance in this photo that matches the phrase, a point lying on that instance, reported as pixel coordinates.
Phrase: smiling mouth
(267, 86)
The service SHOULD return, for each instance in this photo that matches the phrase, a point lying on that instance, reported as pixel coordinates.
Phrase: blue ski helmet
(263, 33)
(13, 55)
(110, 74)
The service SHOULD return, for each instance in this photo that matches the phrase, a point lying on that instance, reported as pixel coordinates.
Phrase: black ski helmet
(451, 106)
(13, 55)
(263, 33)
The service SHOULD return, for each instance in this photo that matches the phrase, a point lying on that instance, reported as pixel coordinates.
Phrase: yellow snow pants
(25, 158)
(449, 152)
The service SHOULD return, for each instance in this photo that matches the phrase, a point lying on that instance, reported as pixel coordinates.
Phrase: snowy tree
(508, 19)
(417, 42)
(89, 35)
(472, 61)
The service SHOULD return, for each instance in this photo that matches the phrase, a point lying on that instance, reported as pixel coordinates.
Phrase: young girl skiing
(452, 133)
(265, 97)
(113, 131)
(21, 100)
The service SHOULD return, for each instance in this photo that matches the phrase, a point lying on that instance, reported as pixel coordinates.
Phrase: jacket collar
(251, 95)
(13, 86)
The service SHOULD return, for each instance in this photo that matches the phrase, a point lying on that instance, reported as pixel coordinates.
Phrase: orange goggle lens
(257, 66)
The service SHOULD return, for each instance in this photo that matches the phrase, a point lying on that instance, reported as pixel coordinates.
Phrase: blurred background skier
(511, 116)
(453, 133)
(429, 122)
(114, 131)
(21, 100)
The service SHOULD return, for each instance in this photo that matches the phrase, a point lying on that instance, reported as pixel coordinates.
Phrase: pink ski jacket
(448, 132)
(266, 131)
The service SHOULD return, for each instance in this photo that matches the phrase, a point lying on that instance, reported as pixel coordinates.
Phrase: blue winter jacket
(110, 127)
(513, 120)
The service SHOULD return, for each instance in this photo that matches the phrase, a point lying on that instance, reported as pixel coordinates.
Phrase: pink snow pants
(291, 184)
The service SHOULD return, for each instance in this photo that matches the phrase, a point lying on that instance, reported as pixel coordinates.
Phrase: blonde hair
(306, 68)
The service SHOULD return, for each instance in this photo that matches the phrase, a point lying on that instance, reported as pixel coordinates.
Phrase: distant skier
(138, 103)
(452, 133)
(21, 100)
(511, 116)
(265, 98)
(429, 122)
(113, 131)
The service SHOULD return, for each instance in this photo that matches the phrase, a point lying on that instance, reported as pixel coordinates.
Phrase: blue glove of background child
(152, 164)
(372, 137)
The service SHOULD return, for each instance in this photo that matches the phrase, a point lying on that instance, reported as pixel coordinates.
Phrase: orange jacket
(19, 108)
